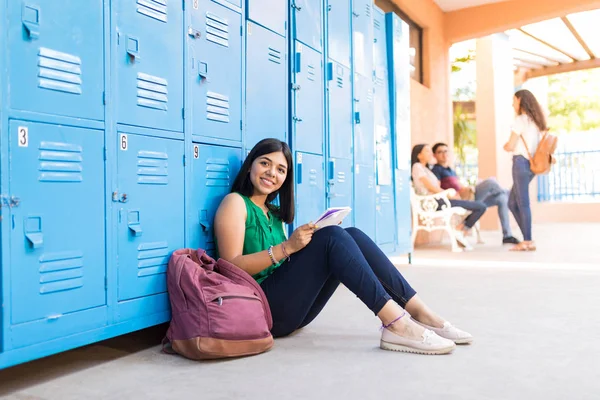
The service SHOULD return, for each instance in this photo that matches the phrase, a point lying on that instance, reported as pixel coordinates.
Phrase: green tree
(465, 136)
(574, 101)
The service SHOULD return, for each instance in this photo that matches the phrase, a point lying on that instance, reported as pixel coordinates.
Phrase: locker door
(362, 10)
(382, 98)
(364, 124)
(150, 212)
(309, 94)
(215, 67)
(403, 212)
(340, 111)
(266, 82)
(340, 185)
(57, 238)
(364, 199)
(310, 190)
(339, 32)
(149, 61)
(385, 218)
(272, 14)
(307, 16)
(55, 57)
(213, 171)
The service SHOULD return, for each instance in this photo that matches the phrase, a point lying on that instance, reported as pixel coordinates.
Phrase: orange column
(495, 90)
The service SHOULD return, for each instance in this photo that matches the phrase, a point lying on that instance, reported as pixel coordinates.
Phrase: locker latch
(295, 87)
(9, 202)
(122, 199)
(194, 33)
(296, 6)
(297, 119)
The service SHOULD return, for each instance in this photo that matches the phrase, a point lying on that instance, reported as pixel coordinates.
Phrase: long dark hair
(243, 185)
(530, 107)
(414, 156)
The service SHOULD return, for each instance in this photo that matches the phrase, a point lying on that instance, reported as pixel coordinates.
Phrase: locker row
(123, 125)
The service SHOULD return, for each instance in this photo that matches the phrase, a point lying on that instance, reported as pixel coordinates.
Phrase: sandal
(520, 247)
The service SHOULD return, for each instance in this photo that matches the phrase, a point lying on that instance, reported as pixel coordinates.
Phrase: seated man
(488, 191)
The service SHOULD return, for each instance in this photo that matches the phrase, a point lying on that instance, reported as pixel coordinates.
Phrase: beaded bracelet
(270, 251)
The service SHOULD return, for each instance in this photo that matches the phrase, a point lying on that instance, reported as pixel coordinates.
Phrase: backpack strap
(526, 147)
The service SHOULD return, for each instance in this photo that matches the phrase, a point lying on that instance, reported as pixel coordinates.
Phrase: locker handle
(299, 173)
(202, 70)
(355, 14)
(296, 6)
(136, 228)
(30, 16)
(133, 47)
(205, 225)
(329, 71)
(357, 117)
(35, 238)
(331, 172)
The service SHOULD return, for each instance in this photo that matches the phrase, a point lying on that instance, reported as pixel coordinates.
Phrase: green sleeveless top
(260, 234)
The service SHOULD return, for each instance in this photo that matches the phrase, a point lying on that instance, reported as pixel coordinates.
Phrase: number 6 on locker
(123, 142)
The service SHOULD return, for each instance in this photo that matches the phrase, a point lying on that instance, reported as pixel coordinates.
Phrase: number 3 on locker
(23, 136)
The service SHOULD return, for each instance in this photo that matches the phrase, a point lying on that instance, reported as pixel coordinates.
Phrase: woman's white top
(419, 171)
(523, 125)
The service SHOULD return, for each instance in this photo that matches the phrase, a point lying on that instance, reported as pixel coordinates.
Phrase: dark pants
(299, 289)
(477, 209)
(518, 200)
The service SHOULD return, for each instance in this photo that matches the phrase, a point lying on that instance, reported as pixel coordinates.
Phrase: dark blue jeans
(518, 200)
(299, 289)
(477, 209)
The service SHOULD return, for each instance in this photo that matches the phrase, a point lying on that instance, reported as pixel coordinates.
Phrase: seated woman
(300, 274)
(425, 182)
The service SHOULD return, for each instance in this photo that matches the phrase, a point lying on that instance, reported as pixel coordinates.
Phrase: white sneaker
(430, 344)
(451, 332)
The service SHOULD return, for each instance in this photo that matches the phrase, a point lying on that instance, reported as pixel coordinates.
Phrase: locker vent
(61, 271)
(59, 71)
(217, 172)
(217, 29)
(274, 55)
(217, 107)
(156, 9)
(371, 182)
(368, 10)
(376, 24)
(341, 177)
(312, 177)
(340, 82)
(60, 162)
(386, 198)
(152, 92)
(152, 168)
(153, 258)
(370, 95)
(310, 71)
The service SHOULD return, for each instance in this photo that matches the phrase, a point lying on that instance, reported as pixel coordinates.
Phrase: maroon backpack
(218, 310)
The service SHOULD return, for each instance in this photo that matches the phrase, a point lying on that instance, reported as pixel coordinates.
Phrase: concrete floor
(535, 318)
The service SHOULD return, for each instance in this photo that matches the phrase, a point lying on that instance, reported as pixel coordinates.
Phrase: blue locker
(56, 57)
(403, 211)
(340, 185)
(149, 203)
(339, 33)
(364, 123)
(266, 85)
(362, 27)
(310, 189)
(149, 63)
(57, 260)
(340, 111)
(385, 218)
(382, 98)
(272, 14)
(398, 50)
(307, 17)
(308, 95)
(364, 199)
(213, 172)
(215, 71)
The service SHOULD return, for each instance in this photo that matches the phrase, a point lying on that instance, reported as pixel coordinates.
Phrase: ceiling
(452, 5)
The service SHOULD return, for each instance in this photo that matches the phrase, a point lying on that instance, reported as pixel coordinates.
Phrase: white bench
(427, 215)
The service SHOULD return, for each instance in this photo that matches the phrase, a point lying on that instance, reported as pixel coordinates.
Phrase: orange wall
(431, 117)
(475, 22)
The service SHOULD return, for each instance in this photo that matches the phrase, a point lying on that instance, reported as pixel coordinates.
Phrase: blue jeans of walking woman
(519, 201)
